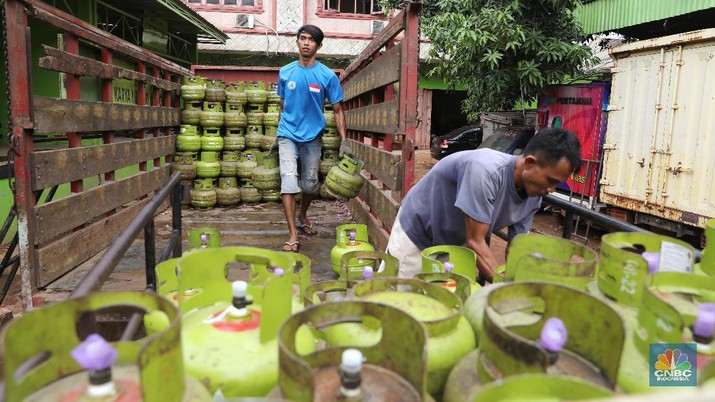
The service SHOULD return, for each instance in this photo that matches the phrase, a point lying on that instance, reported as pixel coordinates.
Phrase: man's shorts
(309, 154)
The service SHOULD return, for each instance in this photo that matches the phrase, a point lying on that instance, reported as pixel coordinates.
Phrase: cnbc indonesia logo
(672, 365)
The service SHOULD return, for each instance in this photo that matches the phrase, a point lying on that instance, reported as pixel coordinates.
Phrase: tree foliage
(502, 51)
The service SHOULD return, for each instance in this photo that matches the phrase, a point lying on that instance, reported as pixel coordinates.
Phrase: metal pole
(150, 254)
(101, 271)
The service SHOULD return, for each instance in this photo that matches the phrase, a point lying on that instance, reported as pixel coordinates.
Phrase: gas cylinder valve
(448, 267)
(350, 378)
(97, 356)
(553, 338)
(240, 301)
(704, 325)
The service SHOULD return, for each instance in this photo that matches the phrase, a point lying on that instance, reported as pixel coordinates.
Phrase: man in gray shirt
(470, 194)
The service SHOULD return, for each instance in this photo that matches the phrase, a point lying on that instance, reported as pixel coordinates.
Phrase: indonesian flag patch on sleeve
(314, 87)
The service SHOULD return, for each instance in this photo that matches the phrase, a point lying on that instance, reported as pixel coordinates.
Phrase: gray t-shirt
(477, 183)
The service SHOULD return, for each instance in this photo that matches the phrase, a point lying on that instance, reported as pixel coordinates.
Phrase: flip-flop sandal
(307, 229)
(291, 246)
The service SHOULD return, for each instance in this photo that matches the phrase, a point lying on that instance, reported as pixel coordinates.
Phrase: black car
(461, 139)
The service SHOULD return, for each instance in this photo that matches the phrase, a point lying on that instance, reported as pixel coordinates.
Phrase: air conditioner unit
(244, 21)
(377, 27)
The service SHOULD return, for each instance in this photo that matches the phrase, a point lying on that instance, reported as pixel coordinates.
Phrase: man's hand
(273, 148)
(345, 149)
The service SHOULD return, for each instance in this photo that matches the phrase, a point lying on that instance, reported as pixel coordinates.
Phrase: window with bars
(353, 6)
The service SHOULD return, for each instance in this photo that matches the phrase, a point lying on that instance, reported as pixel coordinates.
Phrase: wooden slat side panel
(385, 166)
(376, 233)
(381, 205)
(65, 62)
(378, 118)
(65, 165)
(68, 252)
(62, 115)
(380, 72)
(65, 214)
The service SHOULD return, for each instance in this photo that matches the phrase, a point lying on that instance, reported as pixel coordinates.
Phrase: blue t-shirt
(479, 184)
(304, 90)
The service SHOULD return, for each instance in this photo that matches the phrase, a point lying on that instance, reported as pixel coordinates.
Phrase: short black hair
(551, 144)
(314, 31)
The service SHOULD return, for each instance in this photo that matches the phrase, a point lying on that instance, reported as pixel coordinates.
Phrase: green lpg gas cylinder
(212, 140)
(361, 265)
(540, 258)
(707, 264)
(267, 140)
(325, 193)
(234, 117)
(540, 388)
(256, 92)
(211, 115)
(450, 337)
(229, 163)
(246, 164)
(345, 180)
(188, 139)
(627, 258)
(227, 193)
(676, 309)
(328, 291)
(230, 329)
(330, 159)
(539, 327)
(215, 91)
(249, 193)
(208, 166)
(329, 116)
(535, 257)
(128, 369)
(254, 136)
(330, 143)
(235, 94)
(350, 237)
(204, 237)
(456, 259)
(234, 141)
(272, 97)
(391, 369)
(254, 115)
(193, 88)
(266, 175)
(191, 113)
(203, 195)
(270, 195)
(185, 163)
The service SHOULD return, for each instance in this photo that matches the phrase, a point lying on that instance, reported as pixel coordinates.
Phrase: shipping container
(659, 150)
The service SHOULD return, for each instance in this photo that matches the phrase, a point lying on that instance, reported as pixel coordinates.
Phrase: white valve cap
(448, 267)
(239, 289)
(351, 361)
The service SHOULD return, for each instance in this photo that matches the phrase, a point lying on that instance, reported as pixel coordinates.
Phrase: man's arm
(477, 240)
(340, 120)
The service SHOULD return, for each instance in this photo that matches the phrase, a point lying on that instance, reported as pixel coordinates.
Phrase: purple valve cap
(367, 273)
(278, 272)
(537, 255)
(553, 335)
(204, 238)
(352, 235)
(95, 353)
(448, 267)
(704, 324)
(653, 260)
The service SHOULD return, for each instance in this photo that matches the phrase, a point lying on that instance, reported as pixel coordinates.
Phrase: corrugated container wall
(659, 151)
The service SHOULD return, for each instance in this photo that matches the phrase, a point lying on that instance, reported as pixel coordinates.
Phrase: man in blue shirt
(303, 87)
